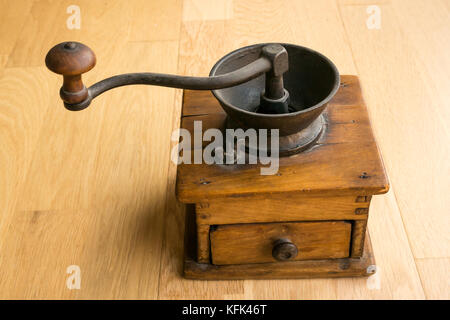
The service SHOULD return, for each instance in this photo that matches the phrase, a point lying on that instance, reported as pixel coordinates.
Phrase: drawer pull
(284, 250)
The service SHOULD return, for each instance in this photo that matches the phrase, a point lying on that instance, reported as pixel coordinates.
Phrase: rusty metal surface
(312, 80)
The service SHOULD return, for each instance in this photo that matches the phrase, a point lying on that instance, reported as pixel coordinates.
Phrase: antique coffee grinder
(309, 218)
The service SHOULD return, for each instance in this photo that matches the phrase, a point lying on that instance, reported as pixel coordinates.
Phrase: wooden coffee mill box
(307, 217)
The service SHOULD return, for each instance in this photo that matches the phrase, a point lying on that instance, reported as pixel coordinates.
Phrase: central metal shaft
(275, 99)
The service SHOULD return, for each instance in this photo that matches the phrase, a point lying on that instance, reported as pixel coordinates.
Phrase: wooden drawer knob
(284, 250)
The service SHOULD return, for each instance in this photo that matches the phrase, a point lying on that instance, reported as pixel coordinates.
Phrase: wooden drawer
(255, 243)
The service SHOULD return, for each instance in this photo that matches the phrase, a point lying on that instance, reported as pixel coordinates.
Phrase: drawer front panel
(255, 243)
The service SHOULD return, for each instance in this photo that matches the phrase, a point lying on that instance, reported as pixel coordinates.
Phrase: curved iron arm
(72, 59)
(244, 74)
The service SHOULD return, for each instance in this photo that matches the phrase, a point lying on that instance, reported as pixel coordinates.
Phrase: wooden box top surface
(345, 160)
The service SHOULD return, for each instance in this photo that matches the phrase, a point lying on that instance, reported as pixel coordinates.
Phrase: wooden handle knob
(284, 250)
(71, 59)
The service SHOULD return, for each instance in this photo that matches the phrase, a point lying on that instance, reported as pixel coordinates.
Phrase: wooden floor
(96, 188)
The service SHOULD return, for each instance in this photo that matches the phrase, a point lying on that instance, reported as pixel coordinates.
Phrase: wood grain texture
(21, 120)
(99, 204)
(14, 17)
(289, 270)
(407, 109)
(279, 207)
(253, 243)
(435, 278)
(204, 10)
(358, 233)
(103, 23)
(348, 139)
(69, 166)
(155, 20)
(282, 206)
(203, 243)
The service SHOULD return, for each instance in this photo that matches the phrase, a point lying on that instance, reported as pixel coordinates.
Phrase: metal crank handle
(72, 59)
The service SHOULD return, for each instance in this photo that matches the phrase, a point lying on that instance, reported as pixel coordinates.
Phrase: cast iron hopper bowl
(312, 80)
